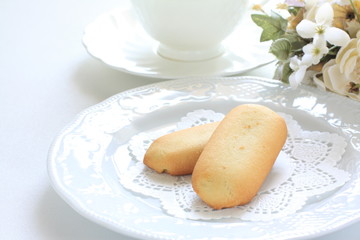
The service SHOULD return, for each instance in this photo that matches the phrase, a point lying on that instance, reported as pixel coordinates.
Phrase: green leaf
(281, 48)
(278, 71)
(273, 26)
(286, 72)
(297, 43)
(283, 71)
(282, 22)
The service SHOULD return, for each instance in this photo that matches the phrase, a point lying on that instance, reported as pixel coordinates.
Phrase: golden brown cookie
(176, 153)
(239, 156)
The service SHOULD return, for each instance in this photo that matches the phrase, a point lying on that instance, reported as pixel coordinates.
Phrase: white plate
(82, 171)
(118, 40)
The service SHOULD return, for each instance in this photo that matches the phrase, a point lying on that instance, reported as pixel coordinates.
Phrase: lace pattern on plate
(305, 169)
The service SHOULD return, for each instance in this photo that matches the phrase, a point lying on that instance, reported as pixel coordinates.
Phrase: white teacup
(190, 30)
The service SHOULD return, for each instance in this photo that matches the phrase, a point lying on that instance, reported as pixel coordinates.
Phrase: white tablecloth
(46, 78)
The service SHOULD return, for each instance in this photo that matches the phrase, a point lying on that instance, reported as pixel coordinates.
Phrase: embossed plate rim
(71, 196)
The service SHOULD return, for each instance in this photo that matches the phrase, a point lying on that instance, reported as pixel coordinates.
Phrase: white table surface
(46, 78)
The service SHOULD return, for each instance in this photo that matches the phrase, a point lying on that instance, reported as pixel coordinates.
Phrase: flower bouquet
(316, 42)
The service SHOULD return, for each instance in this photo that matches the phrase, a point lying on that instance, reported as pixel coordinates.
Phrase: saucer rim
(86, 42)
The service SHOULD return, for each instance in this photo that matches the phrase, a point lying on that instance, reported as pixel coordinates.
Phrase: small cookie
(176, 153)
(239, 156)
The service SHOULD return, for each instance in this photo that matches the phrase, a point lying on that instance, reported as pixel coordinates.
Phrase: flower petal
(326, 76)
(323, 49)
(324, 15)
(352, 44)
(344, 60)
(313, 53)
(339, 83)
(307, 49)
(336, 36)
(350, 66)
(294, 63)
(293, 81)
(307, 59)
(320, 40)
(333, 79)
(311, 8)
(297, 77)
(306, 29)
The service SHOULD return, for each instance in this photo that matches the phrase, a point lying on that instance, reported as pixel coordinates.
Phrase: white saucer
(118, 40)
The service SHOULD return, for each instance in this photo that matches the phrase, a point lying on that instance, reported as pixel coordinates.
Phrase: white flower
(311, 7)
(342, 75)
(299, 68)
(313, 52)
(321, 29)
